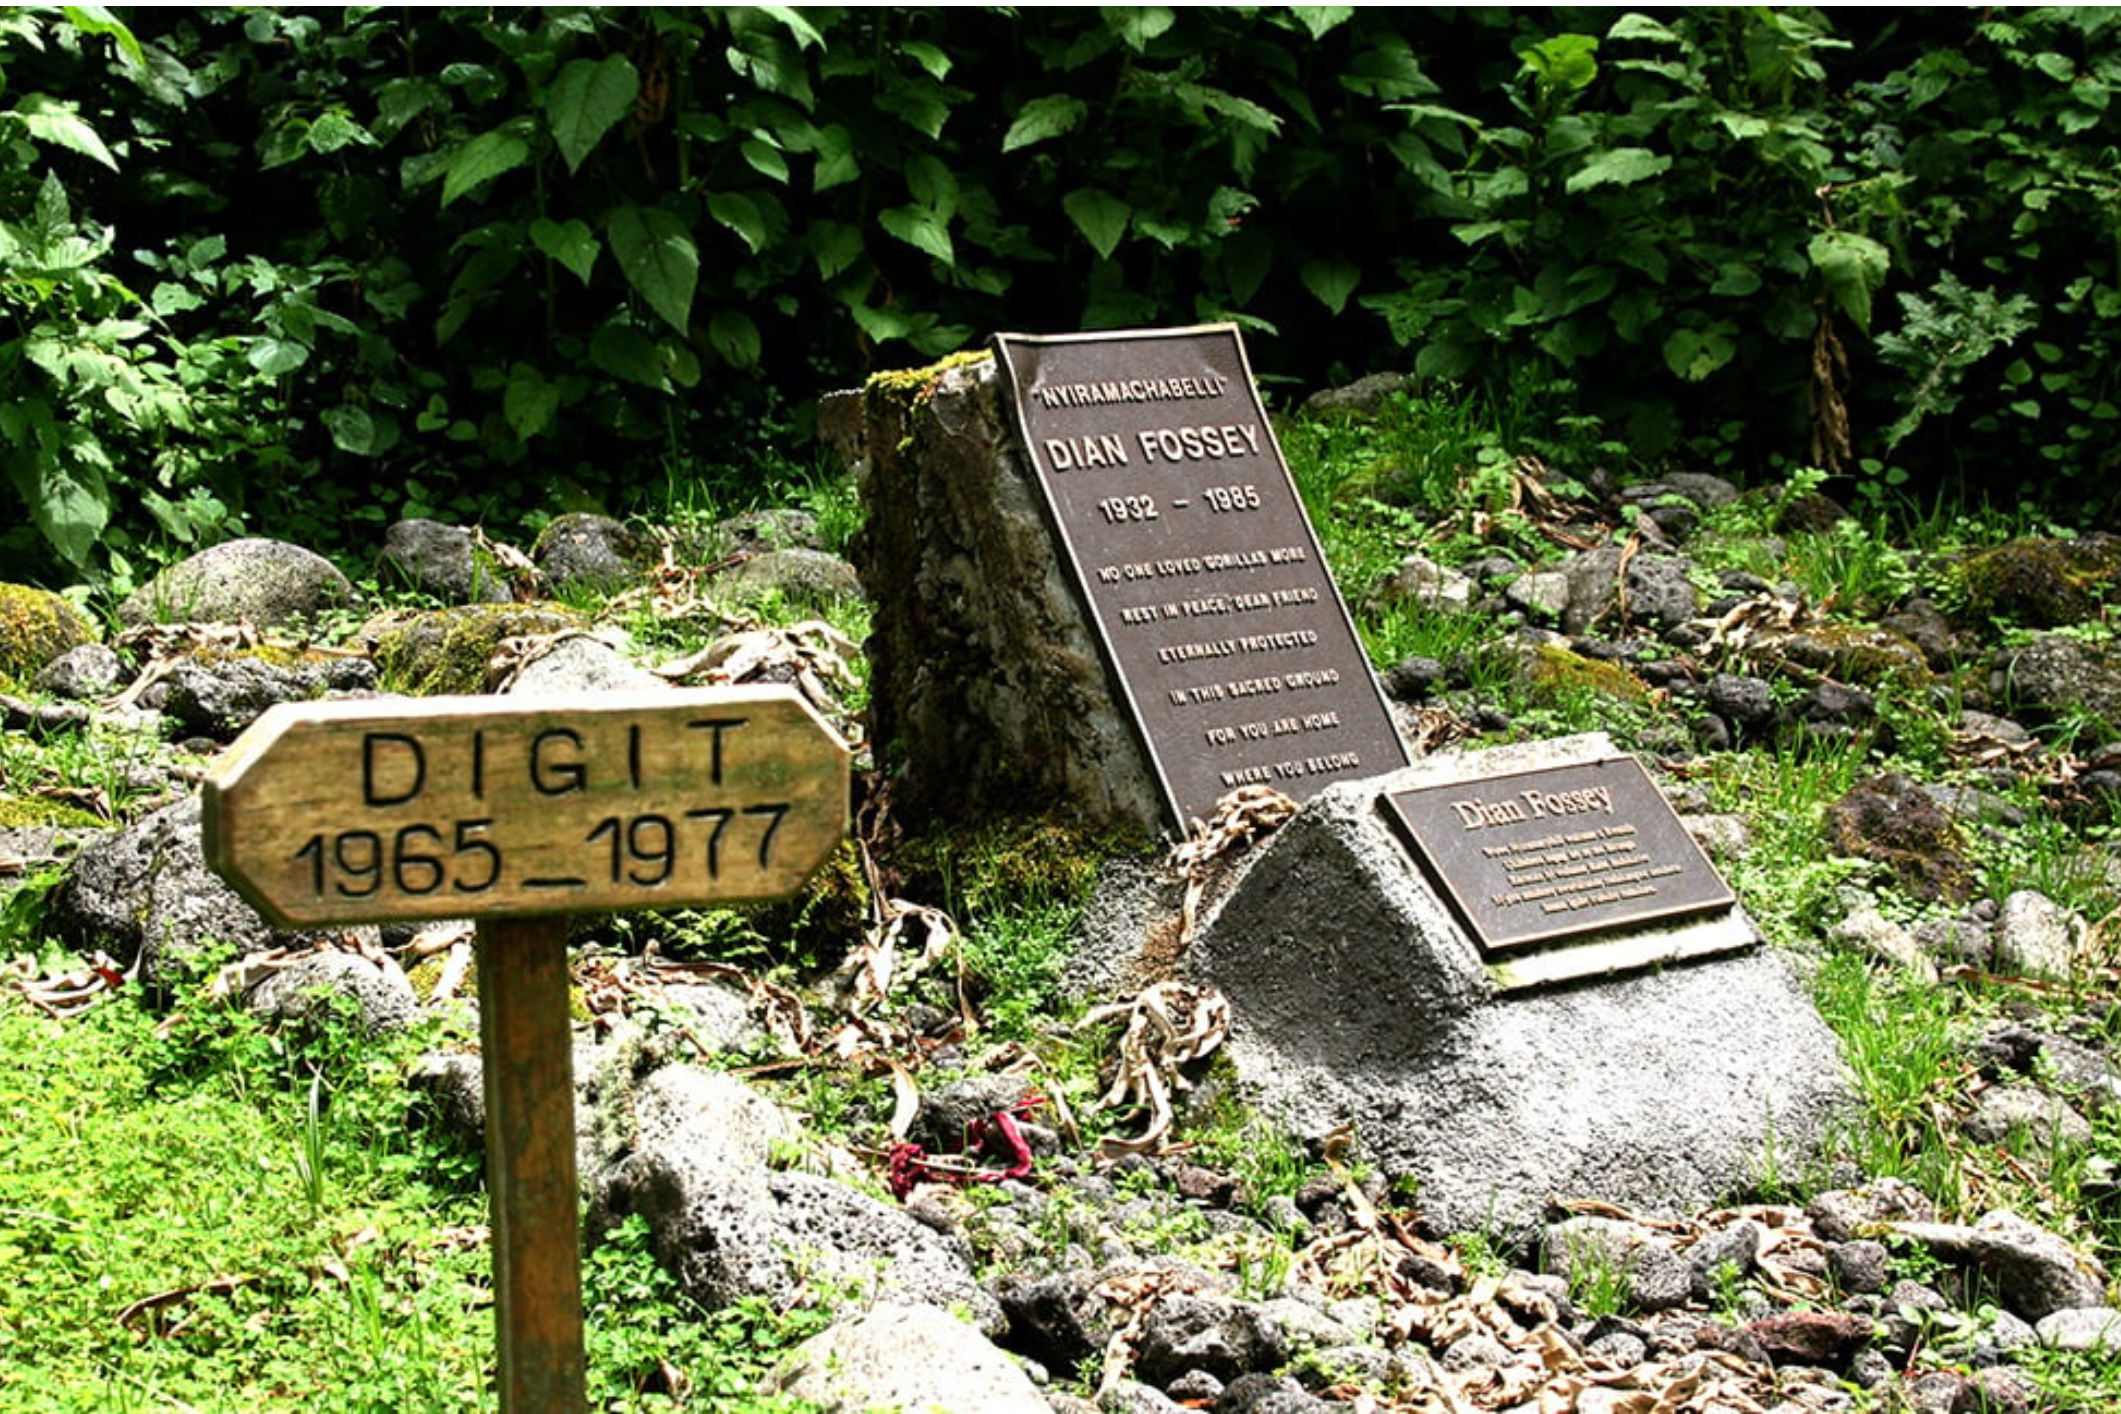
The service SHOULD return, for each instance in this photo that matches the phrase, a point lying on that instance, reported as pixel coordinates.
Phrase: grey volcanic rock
(442, 560)
(581, 662)
(2036, 1273)
(2037, 937)
(145, 896)
(376, 988)
(260, 582)
(1609, 590)
(218, 699)
(729, 1232)
(583, 554)
(2054, 675)
(88, 671)
(799, 576)
(910, 1358)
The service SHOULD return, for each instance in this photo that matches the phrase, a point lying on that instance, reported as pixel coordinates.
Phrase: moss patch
(821, 922)
(36, 626)
(20, 812)
(913, 385)
(447, 651)
(1005, 864)
(1555, 675)
(2042, 583)
(1891, 820)
(1858, 654)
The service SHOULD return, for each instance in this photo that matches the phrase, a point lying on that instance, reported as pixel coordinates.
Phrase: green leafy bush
(303, 271)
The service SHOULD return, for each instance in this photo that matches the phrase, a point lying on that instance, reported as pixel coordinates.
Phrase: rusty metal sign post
(517, 815)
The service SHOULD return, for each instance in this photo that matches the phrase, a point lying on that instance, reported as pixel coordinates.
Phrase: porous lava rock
(1891, 820)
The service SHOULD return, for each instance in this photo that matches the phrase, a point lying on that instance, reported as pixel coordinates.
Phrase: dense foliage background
(308, 271)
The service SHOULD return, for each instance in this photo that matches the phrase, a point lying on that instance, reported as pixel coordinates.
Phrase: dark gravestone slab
(1204, 581)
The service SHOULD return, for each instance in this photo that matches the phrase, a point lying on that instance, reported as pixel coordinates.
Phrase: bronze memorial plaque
(1201, 571)
(1544, 854)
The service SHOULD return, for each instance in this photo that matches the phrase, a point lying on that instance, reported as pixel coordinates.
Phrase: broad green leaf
(1446, 360)
(835, 245)
(569, 242)
(529, 402)
(172, 520)
(481, 160)
(1637, 26)
(625, 352)
(923, 107)
(735, 338)
(1694, 354)
(334, 129)
(882, 325)
(1100, 216)
(1570, 341)
(1319, 19)
(656, 254)
(1168, 234)
(587, 100)
(70, 505)
(740, 214)
(1565, 62)
(285, 140)
(765, 159)
(1619, 167)
(934, 60)
(1736, 279)
(1388, 71)
(767, 60)
(1854, 267)
(273, 357)
(96, 19)
(920, 227)
(480, 83)
(1054, 115)
(402, 100)
(352, 430)
(1239, 110)
(169, 298)
(683, 363)
(54, 121)
(806, 36)
(933, 184)
(1635, 314)
(836, 164)
(1333, 281)
(1474, 232)
(2058, 67)
(1136, 25)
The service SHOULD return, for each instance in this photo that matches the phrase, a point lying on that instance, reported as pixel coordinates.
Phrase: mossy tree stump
(989, 696)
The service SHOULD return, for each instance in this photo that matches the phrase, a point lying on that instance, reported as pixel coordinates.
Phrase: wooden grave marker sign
(517, 814)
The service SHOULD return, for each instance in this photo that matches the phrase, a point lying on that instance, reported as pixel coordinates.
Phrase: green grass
(200, 1215)
(170, 1171)
(1905, 1047)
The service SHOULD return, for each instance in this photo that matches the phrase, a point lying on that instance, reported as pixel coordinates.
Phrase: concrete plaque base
(1358, 996)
